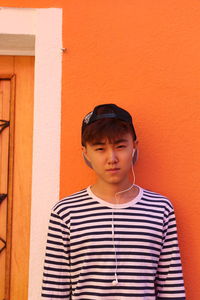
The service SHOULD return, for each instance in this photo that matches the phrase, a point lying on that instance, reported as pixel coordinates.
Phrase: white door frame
(46, 27)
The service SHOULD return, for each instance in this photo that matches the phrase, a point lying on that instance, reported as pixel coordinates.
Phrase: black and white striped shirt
(82, 255)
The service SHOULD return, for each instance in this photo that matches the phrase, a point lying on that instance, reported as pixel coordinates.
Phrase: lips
(113, 170)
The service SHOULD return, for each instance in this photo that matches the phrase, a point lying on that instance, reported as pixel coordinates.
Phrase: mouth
(112, 170)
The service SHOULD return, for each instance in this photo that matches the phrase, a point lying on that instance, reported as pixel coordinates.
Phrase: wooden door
(6, 158)
(16, 111)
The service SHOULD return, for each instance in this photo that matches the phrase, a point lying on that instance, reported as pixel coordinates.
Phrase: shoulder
(70, 200)
(71, 203)
(60, 212)
(156, 199)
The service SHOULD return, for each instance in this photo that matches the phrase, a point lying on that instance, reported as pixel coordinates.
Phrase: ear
(136, 142)
(84, 150)
(86, 158)
(135, 156)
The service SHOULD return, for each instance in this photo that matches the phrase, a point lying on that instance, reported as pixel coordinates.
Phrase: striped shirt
(89, 240)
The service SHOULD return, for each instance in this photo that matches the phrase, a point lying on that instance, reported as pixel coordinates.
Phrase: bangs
(110, 129)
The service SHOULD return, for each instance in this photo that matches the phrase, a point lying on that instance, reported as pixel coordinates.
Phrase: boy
(113, 240)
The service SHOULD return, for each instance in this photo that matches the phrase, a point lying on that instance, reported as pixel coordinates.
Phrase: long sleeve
(56, 276)
(169, 280)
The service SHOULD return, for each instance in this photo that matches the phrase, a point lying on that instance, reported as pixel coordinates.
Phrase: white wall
(46, 26)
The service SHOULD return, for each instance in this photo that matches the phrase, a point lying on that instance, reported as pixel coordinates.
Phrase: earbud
(115, 281)
(134, 155)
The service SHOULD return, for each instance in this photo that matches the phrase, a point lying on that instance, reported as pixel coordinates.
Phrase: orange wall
(144, 56)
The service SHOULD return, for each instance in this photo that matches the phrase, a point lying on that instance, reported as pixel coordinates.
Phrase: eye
(99, 149)
(121, 146)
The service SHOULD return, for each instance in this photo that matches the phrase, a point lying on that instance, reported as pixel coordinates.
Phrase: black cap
(104, 111)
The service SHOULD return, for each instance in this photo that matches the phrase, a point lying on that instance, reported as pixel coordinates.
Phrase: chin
(115, 181)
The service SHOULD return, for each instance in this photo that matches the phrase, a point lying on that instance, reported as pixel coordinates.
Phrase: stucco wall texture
(144, 56)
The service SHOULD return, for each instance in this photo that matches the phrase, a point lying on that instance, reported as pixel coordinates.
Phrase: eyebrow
(115, 142)
(98, 143)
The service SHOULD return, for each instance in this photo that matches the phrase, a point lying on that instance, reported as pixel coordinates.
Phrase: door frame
(47, 119)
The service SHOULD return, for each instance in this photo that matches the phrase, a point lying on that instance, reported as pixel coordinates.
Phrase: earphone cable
(115, 281)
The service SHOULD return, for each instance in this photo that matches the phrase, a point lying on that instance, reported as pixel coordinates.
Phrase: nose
(112, 157)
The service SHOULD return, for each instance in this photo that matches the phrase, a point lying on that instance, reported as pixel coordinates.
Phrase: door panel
(4, 159)
(19, 177)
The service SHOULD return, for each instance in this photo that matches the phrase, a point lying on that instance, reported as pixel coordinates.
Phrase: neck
(108, 192)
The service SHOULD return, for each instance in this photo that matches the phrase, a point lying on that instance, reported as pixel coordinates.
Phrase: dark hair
(108, 128)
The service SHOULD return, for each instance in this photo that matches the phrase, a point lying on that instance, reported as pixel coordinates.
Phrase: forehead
(125, 138)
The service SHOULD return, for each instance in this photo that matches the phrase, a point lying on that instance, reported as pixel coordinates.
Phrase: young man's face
(111, 161)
